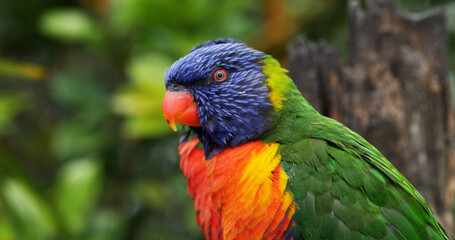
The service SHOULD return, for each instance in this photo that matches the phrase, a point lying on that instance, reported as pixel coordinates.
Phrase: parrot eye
(220, 75)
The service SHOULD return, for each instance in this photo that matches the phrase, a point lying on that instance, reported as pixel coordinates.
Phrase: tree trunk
(394, 92)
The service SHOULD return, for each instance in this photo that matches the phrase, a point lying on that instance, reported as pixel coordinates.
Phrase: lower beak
(180, 107)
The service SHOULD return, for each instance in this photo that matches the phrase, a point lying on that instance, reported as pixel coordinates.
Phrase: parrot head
(220, 91)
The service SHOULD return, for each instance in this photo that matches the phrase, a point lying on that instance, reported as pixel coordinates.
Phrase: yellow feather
(276, 80)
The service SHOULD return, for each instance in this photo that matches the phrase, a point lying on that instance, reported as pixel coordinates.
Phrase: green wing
(345, 189)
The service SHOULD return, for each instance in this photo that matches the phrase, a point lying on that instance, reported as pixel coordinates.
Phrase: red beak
(180, 107)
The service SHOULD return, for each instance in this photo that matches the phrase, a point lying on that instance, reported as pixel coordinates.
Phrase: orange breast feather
(192, 164)
(240, 193)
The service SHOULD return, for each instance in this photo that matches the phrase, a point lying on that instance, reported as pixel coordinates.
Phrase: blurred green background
(84, 150)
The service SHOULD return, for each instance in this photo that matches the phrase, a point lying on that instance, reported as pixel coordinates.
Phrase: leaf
(106, 225)
(77, 189)
(31, 213)
(78, 90)
(69, 25)
(86, 130)
(152, 192)
(140, 101)
(10, 105)
(73, 139)
(146, 127)
(22, 70)
(6, 229)
(147, 71)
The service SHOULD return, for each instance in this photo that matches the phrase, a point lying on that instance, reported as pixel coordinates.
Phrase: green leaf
(22, 70)
(106, 225)
(10, 105)
(146, 128)
(78, 187)
(153, 192)
(6, 229)
(66, 88)
(141, 100)
(69, 25)
(29, 211)
(138, 103)
(148, 70)
(73, 139)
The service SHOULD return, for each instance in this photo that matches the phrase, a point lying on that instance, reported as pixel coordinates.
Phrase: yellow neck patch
(277, 81)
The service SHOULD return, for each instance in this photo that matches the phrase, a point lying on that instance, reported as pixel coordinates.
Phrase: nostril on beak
(174, 87)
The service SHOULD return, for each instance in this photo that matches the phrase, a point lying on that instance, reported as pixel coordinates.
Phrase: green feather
(344, 188)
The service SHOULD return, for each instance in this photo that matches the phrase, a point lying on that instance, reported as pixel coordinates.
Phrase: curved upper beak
(180, 107)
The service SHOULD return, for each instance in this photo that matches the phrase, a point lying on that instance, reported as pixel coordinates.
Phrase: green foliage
(69, 25)
(78, 187)
(85, 153)
(10, 105)
(70, 138)
(140, 101)
(29, 212)
(6, 230)
(174, 27)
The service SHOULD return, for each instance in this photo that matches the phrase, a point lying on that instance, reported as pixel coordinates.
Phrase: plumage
(271, 167)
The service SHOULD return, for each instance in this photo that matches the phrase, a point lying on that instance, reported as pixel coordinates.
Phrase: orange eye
(220, 75)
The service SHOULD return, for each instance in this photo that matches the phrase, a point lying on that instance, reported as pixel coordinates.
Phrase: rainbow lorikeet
(261, 163)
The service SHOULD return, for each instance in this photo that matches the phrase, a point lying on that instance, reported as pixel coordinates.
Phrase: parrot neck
(288, 102)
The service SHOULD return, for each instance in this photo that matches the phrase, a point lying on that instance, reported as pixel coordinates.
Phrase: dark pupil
(219, 75)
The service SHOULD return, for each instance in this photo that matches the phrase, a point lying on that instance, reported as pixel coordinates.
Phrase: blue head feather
(231, 112)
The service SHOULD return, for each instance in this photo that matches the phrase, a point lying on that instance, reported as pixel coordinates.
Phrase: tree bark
(394, 91)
